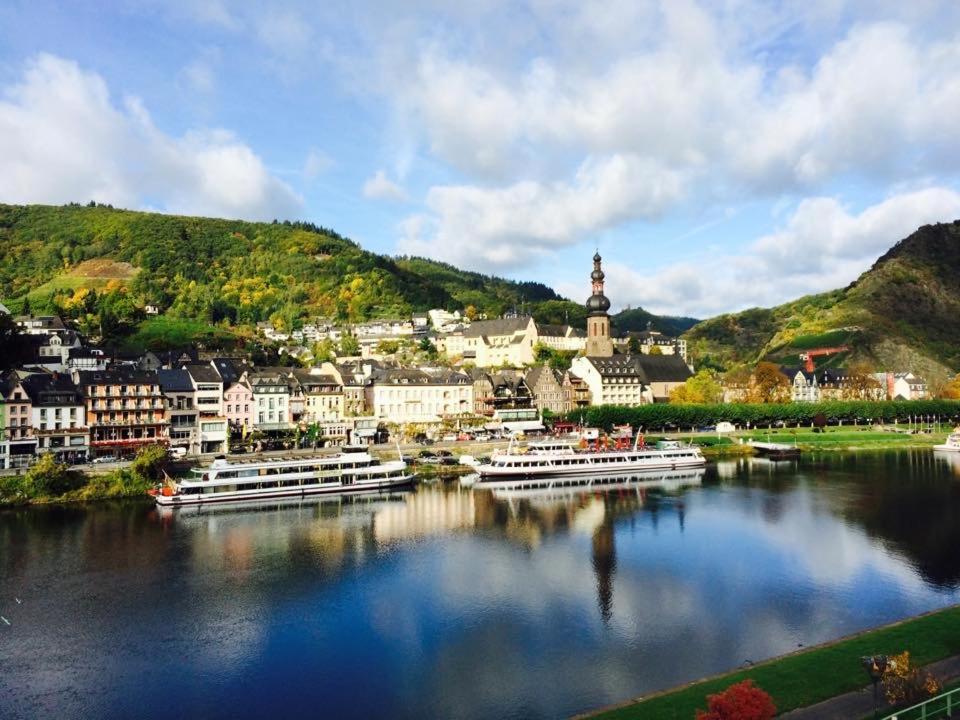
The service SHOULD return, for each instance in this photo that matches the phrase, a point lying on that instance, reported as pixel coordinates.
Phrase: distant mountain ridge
(901, 314)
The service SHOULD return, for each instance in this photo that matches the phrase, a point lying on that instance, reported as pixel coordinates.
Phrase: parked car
(106, 459)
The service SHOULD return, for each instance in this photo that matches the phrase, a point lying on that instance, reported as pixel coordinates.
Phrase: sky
(720, 155)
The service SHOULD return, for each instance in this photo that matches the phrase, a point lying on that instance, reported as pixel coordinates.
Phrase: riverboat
(952, 444)
(565, 486)
(561, 458)
(354, 470)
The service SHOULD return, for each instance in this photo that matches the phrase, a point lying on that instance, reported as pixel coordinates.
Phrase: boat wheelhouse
(231, 480)
(560, 458)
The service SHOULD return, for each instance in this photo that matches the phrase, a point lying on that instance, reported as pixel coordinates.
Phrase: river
(447, 602)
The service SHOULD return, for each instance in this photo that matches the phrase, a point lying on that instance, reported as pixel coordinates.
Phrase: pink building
(238, 405)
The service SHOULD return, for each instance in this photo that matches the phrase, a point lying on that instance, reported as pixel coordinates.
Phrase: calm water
(446, 602)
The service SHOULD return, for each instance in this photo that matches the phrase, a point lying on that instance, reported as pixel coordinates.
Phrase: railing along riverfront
(941, 706)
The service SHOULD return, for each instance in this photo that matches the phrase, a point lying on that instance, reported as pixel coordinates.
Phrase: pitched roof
(203, 372)
(663, 368)
(502, 326)
(118, 376)
(50, 389)
(536, 374)
(175, 381)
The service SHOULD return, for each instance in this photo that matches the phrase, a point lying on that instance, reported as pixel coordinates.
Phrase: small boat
(352, 471)
(775, 451)
(952, 444)
(557, 458)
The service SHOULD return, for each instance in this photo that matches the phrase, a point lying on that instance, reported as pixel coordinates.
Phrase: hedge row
(671, 416)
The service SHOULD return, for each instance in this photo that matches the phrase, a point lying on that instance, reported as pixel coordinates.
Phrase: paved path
(859, 704)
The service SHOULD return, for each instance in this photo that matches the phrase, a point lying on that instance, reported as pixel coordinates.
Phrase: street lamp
(875, 666)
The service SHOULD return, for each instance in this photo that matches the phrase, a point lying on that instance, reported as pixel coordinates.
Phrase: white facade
(612, 388)
(419, 401)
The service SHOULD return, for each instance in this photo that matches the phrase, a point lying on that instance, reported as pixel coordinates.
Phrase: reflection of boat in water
(952, 444)
(229, 480)
(565, 487)
(334, 505)
(558, 459)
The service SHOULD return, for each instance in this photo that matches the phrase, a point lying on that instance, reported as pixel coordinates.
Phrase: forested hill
(902, 314)
(102, 266)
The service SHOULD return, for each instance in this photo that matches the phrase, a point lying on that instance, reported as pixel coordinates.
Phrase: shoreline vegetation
(808, 676)
(49, 482)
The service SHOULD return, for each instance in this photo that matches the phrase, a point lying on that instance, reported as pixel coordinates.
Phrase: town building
(271, 399)
(417, 396)
(180, 396)
(58, 416)
(599, 343)
(125, 410)
(577, 392)
(546, 387)
(40, 324)
(505, 342)
(561, 337)
(617, 378)
(18, 444)
(652, 341)
(237, 395)
(208, 389)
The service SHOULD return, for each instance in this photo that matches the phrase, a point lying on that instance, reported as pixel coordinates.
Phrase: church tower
(599, 343)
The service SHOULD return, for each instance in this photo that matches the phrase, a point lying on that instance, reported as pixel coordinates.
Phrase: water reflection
(452, 602)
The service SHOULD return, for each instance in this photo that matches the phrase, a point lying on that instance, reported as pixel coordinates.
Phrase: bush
(906, 684)
(150, 462)
(743, 701)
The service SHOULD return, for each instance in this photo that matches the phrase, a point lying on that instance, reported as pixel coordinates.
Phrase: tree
(633, 344)
(951, 390)
(906, 684)
(655, 350)
(349, 345)
(323, 351)
(704, 387)
(768, 384)
(743, 701)
(388, 347)
(470, 312)
(861, 385)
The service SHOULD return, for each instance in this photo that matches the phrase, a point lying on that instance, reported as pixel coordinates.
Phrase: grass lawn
(812, 675)
(846, 437)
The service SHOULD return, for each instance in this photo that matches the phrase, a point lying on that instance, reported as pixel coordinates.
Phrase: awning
(524, 426)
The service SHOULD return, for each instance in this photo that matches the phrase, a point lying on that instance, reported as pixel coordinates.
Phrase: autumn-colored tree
(655, 350)
(906, 684)
(951, 390)
(860, 385)
(768, 384)
(743, 701)
(470, 312)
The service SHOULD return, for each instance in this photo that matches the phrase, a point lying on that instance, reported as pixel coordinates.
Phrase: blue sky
(720, 155)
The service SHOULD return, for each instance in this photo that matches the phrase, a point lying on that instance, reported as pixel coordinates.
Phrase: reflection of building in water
(728, 469)
(604, 552)
(425, 513)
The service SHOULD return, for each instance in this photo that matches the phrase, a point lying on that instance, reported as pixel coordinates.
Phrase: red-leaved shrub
(743, 701)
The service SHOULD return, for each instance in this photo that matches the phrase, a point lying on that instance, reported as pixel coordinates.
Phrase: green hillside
(903, 313)
(213, 279)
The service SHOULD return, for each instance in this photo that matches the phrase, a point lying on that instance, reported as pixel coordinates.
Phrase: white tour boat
(229, 480)
(953, 442)
(567, 486)
(560, 458)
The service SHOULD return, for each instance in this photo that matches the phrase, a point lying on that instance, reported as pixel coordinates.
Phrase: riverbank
(808, 676)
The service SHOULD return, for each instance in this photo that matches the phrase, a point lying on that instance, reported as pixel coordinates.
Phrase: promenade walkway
(859, 704)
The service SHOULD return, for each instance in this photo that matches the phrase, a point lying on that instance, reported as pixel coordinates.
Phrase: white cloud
(874, 105)
(199, 75)
(380, 187)
(504, 226)
(822, 246)
(63, 139)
